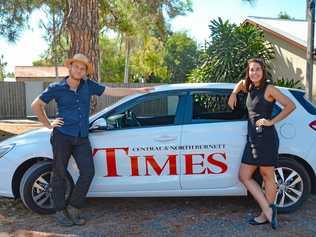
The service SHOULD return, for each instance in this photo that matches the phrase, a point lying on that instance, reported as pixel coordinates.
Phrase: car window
(308, 106)
(276, 110)
(212, 106)
(157, 111)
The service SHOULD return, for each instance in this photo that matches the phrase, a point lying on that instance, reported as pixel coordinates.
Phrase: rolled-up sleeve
(95, 88)
(48, 94)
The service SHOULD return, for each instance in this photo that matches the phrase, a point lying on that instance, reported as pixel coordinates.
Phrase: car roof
(217, 85)
(171, 87)
(183, 86)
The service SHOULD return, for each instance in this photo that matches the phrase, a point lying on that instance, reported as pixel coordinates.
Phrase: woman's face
(255, 72)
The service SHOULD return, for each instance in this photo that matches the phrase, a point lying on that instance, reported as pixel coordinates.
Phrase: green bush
(291, 83)
(225, 56)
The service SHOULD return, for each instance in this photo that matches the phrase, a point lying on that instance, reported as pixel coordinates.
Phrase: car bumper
(6, 175)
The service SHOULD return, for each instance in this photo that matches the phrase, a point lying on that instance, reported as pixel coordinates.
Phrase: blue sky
(31, 43)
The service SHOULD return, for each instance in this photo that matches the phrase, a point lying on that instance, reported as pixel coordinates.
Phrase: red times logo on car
(206, 161)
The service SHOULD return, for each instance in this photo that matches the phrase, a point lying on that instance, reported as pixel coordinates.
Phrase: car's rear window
(299, 95)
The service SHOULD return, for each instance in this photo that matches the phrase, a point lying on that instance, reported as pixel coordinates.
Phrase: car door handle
(165, 138)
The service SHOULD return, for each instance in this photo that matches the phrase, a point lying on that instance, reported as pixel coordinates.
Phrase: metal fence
(13, 99)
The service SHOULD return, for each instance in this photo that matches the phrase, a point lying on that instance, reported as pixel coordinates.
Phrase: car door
(215, 137)
(135, 152)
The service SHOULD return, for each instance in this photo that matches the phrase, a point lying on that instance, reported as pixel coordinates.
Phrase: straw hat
(82, 59)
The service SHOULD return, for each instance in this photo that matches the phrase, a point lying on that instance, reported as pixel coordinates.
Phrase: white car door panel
(217, 136)
(128, 161)
(215, 159)
(137, 155)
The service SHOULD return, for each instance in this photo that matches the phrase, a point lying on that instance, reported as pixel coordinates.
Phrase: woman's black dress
(262, 142)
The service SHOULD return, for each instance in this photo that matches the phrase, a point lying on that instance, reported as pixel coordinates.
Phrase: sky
(31, 44)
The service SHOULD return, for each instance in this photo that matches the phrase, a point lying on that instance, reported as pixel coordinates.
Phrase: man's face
(77, 70)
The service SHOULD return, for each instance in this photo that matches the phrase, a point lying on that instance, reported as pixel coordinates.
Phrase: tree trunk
(83, 28)
(54, 45)
(127, 55)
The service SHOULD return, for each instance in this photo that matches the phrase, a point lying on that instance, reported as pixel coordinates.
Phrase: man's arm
(110, 91)
(38, 107)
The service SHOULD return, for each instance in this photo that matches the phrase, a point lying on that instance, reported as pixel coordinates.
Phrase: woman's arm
(232, 101)
(288, 106)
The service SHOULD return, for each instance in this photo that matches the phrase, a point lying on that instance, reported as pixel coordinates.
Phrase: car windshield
(121, 101)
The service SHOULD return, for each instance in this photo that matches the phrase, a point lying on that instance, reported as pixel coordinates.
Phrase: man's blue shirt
(73, 106)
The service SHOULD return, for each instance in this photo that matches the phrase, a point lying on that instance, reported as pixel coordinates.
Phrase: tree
(10, 75)
(226, 54)
(138, 20)
(148, 64)
(181, 56)
(54, 55)
(14, 16)
(82, 20)
(56, 52)
(3, 64)
(111, 60)
(285, 15)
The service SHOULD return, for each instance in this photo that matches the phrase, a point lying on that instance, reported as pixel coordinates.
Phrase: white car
(179, 140)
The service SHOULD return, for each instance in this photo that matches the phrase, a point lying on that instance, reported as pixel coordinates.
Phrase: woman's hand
(58, 122)
(264, 122)
(232, 101)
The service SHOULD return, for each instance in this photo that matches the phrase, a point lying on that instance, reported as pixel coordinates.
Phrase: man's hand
(144, 89)
(110, 91)
(58, 122)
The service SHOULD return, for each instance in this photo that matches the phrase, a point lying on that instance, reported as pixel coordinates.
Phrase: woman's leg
(245, 176)
(270, 185)
(267, 174)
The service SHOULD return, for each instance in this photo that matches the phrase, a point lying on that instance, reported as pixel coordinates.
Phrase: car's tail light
(313, 125)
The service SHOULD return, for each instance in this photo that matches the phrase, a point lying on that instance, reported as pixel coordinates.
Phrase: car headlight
(5, 149)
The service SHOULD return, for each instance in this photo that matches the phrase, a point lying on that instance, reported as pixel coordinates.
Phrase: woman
(261, 150)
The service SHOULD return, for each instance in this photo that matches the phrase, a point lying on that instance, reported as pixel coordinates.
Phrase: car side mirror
(98, 125)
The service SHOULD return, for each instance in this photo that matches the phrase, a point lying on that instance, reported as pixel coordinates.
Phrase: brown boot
(63, 219)
(75, 215)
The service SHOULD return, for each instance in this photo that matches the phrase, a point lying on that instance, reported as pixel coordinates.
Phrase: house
(36, 78)
(289, 40)
(39, 73)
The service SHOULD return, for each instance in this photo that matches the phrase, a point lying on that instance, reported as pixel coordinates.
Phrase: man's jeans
(63, 147)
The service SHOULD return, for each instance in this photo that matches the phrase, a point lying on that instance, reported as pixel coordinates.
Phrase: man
(70, 133)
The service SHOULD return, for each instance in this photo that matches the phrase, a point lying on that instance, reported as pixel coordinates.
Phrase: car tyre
(35, 190)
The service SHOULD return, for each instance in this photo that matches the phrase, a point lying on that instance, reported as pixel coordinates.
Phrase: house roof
(39, 71)
(293, 31)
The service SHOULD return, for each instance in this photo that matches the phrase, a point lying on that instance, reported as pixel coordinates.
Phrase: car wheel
(293, 184)
(35, 189)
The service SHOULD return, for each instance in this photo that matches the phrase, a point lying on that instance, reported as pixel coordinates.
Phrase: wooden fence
(13, 99)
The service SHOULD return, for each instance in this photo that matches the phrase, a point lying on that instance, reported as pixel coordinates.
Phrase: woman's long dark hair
(249, 83)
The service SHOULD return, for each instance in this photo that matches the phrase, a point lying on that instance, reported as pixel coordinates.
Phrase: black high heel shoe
(274, 220)
(253, 221)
